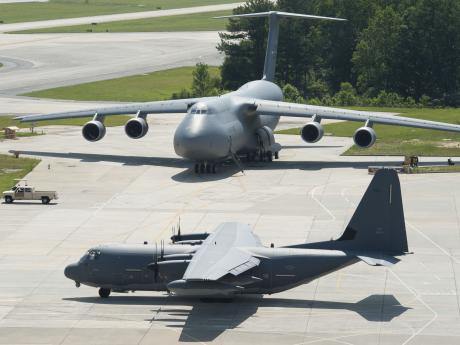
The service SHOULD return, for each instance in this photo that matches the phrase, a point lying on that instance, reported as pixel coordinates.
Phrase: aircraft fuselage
(126, 268)
(214, 128)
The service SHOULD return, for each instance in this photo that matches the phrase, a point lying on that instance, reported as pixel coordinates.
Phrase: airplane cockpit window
(92, 254)
(199, 108)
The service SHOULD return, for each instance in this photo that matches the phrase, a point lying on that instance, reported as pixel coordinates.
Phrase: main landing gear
(104, 293)
(262, 156)
(205, 168)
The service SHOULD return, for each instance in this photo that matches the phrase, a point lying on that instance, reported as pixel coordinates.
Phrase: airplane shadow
(205, 321)
(188, 175)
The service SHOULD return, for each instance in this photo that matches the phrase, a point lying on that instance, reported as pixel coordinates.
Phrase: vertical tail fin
(378, 222)
(272, 43)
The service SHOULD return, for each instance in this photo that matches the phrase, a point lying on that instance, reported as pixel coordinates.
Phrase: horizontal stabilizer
(279, 14)
(377, 259)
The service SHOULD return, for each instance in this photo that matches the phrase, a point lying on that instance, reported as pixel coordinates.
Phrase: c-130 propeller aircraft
(239, 123)
(232, 261)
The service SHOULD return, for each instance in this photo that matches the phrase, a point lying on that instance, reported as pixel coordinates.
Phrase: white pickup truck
(25, 192)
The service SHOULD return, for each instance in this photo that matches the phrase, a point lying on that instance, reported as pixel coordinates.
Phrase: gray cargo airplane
(239, 123)
(232, 261)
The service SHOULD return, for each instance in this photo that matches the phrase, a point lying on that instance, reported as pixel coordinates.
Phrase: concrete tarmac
(36, 62)
(120, 190)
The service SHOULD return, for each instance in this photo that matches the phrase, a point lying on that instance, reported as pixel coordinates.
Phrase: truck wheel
(8, 199)
(45, 200)
(104, 293)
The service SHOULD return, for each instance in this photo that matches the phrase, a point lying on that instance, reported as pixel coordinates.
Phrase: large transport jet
(231, 260)
(239, 123)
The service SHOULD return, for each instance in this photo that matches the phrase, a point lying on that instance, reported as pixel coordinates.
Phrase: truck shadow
(205, 321)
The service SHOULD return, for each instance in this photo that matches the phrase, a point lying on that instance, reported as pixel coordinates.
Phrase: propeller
(155, 264)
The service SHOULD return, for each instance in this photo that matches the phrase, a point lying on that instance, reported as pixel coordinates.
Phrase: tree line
(389, 52)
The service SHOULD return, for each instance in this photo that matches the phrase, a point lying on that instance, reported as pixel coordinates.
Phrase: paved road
(15, 1)
(35, 62)
(114, 17)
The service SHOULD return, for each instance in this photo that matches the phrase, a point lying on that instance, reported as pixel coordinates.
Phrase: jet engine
(136, 128)
(312, 132)
(364, 137)
(93, 130)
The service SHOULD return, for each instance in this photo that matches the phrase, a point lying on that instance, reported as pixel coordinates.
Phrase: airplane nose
(205, 143)
(72, 271)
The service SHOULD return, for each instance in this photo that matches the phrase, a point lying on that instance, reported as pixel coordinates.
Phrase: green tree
(244, 45)
(346, 96)
(430, 51)
(375, 57)
(203, 83)
(292, 94)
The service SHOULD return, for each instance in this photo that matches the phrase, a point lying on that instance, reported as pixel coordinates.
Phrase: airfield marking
(312, 195)
(416, 294)
(418, 297)
(432, 242)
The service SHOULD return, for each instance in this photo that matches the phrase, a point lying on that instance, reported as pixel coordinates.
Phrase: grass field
(59, 9)
(400, 141)
(435, 169)
(192, 22)
(14, 168)
(139, 88)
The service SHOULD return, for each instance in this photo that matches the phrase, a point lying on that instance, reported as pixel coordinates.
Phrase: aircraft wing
(158, 107)
(263, 107)
(223, 253)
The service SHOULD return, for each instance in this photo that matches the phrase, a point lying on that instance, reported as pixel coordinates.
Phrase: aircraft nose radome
(71, 272)
(208, 143)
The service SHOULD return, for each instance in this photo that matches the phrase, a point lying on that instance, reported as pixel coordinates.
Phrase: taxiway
(120, 190)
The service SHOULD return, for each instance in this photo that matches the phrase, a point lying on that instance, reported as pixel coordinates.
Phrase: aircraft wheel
(45, 200)
(8, 199)
(197, 168)
(261, 156)
(277, 155)
(202, 168)
(104, 293)
(270, 156)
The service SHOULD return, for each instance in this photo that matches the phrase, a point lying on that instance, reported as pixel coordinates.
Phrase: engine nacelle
(364, 137)
(93, 130)
(136, 128)
(312, 132)
(189, 237)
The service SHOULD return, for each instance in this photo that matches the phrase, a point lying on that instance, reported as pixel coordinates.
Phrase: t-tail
(377, 231)
(273, 33)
